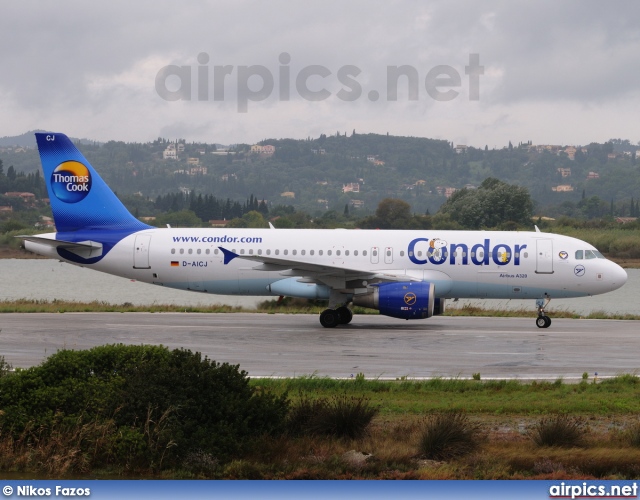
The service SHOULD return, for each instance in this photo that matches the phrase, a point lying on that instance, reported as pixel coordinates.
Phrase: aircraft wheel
(548, 321)
(345, 314)
(329, 318)
(541, 322)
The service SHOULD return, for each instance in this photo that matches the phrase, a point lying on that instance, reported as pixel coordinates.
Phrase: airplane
(405, 274)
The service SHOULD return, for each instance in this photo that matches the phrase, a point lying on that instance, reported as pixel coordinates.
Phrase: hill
(359, 170)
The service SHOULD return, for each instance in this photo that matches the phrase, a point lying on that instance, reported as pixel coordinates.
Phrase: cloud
(90, 69)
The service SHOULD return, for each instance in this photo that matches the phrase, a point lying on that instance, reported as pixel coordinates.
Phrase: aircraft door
(141, 251)
(388, 255)
(544, 256)
(375, 255)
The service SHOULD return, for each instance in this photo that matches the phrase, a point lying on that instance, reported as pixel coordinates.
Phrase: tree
(493, 204)
(250, 219)
(183, 218)
(390, 214)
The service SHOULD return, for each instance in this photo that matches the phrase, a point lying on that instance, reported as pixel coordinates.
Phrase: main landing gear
(543, 321)
(330, 318)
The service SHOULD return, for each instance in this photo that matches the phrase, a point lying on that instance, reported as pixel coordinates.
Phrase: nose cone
(616, 276)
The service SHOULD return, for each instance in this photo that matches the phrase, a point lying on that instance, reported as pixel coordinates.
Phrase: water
(49, 279)
(44, 279)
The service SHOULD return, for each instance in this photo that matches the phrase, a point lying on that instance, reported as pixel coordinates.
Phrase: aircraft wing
(334, 276)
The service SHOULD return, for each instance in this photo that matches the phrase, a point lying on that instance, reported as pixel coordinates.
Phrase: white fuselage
(461, 264)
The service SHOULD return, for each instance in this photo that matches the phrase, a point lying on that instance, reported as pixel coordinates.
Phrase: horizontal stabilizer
(84, 249)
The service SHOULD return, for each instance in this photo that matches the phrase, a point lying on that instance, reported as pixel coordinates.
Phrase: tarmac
(279, 345)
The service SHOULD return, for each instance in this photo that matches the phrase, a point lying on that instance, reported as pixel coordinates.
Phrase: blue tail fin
(80, 199)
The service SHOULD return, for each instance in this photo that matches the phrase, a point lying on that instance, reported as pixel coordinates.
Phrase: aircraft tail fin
(80, 199)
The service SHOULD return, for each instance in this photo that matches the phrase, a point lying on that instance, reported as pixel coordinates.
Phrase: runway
(294, 345)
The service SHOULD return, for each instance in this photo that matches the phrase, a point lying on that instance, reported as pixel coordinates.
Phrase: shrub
(559, 430)
(339, 416)
(448, 435)
(163, 404)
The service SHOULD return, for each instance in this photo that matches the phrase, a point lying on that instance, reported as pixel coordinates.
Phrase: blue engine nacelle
(404, 300)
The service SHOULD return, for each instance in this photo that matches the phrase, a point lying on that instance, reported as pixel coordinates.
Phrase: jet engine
(404, 300)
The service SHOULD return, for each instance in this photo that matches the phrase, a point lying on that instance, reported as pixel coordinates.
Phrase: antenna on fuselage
(537, 228)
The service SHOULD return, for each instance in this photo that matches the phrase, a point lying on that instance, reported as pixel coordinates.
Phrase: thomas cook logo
(409, 298)
(71, 182)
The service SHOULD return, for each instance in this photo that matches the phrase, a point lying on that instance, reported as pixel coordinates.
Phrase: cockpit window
(599, 255)
(588, 254)
(579, 254)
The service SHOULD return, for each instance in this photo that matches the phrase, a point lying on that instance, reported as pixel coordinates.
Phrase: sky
(474, 73)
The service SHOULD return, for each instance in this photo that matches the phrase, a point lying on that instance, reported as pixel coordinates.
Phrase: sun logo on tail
(71, 181)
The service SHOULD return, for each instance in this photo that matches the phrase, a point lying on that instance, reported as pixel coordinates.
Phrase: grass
(288, 306)
(619, 395)
(499, 416)
(561, 430)
(448, 435)
(338, 415)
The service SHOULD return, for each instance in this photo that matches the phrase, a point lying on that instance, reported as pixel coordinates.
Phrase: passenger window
(388, 253)
(199, 251)
(328, 252)
(338, 252)
(286, 252)
(277, 252)
(216, 251)
(579, 254)
(346, 252)
(311, 252)
(173, 250)
(401, 253)
(319, 252)
(190, 251)
(251, 251)
(364, 253)
(259, 251)
(207, 251)
(302, 252)
(375, 253)
(242, 252)
(355, 252)
(268, 252)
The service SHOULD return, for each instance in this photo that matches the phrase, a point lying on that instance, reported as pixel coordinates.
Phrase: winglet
(228, 255)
